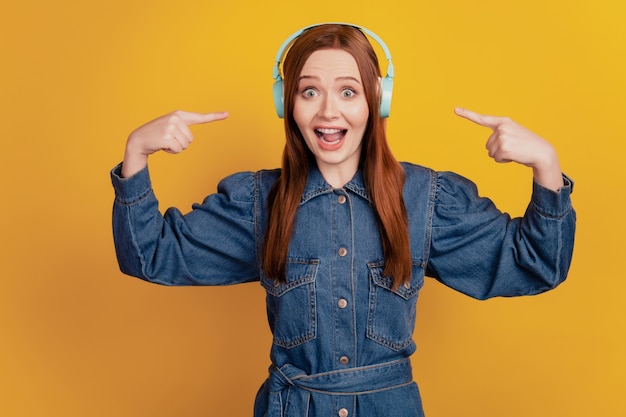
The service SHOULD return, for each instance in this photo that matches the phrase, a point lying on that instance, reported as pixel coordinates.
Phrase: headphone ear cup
(386, 88)
(279, 103)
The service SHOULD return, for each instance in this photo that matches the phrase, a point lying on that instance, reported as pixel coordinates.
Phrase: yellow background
(80, 339)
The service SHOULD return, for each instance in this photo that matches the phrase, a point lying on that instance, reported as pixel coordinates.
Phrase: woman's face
(331, 112)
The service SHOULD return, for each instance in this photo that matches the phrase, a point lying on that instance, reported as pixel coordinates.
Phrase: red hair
(383, 175)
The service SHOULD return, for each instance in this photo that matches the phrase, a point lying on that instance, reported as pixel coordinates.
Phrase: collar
(316, 185)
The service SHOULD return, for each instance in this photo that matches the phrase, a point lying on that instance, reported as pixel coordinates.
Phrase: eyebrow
(345, 78)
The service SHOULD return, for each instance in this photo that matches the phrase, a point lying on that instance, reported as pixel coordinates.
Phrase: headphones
(386, 83)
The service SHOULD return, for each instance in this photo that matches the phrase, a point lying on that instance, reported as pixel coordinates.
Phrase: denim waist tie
(291, 387)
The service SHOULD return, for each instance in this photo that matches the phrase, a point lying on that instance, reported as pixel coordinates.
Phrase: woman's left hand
(511, 142)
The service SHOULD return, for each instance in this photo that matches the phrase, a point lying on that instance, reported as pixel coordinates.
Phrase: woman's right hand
(169, 133)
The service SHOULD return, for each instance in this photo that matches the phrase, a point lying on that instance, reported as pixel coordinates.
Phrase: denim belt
(290, 388)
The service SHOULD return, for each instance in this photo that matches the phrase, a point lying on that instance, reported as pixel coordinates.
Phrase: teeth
(329, 131)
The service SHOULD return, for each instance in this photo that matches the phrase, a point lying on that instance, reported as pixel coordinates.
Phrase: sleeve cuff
(551, 203)
(132, 189)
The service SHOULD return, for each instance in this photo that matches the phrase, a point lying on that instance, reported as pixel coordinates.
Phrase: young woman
(342, 236)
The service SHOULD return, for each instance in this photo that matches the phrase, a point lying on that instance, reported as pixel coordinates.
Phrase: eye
(348, 93)
(309, 92)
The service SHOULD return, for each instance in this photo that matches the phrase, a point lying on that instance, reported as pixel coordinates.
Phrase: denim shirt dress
(342, 337)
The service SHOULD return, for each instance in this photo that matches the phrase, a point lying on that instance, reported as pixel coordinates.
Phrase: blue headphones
(386, 83)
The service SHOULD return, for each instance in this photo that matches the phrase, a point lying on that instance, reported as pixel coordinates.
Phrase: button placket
(342, 271)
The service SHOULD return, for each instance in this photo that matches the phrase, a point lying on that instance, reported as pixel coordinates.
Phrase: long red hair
(383, 175)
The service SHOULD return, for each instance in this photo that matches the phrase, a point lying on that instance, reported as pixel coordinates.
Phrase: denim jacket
(341, 336)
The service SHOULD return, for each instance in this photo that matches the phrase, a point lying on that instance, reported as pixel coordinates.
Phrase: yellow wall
(77, 338)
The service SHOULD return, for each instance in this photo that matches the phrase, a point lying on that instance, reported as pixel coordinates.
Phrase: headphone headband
(386, 82)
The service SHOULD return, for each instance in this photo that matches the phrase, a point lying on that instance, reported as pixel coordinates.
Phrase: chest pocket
(391, 313)
(291, 305)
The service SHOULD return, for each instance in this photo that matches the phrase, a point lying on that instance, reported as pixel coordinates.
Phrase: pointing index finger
(191, 118)
(481, 119)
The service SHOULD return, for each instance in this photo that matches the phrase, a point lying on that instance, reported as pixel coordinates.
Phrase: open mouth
(330, 136)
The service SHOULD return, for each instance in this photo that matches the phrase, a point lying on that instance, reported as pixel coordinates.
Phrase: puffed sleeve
(482, 252)
(213, 244)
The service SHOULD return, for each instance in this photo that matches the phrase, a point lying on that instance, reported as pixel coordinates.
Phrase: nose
(328, 107)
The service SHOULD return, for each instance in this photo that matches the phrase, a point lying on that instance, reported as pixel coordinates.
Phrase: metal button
(343, 251)
(407, 285)
(342, 303)
(343, 412)
(341, 199)
(344, 360)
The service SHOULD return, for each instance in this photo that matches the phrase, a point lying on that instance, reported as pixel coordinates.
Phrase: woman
(342, 235)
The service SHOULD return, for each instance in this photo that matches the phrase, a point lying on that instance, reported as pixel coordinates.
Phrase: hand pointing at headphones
(511, 142)
(169, 133)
